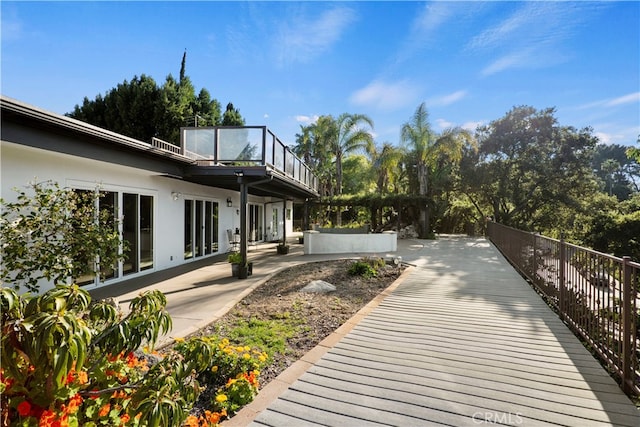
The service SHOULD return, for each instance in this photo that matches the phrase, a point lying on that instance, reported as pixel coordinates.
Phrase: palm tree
(350, 136)
(386, 163)
(304, 145)
(433, 154)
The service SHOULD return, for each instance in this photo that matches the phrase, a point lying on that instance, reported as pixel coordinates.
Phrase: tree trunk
(425, 223)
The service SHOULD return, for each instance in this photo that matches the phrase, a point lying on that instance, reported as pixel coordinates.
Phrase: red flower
(24, 408)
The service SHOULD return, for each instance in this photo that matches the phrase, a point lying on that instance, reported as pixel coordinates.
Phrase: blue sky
(285, 63)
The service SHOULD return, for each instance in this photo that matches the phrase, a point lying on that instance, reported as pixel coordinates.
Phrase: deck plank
(464, 340)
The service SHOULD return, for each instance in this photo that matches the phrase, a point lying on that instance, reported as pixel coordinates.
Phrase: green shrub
(55, 234)
(367, 267)
(234, 258)
(362, 268)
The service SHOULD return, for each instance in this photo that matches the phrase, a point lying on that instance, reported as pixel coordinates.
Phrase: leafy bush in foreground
(68, 362)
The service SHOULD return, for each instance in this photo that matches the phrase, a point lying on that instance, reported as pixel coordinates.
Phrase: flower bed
(67, 362)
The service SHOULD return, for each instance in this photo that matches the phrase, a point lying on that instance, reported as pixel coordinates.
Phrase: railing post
(562, 294)
(627, 333)
(534, 264)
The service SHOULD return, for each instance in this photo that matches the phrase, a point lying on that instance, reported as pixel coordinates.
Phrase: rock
(319, 286)
(408, 232)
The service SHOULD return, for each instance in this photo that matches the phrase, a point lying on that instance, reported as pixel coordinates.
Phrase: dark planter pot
(235, 268)
(282, 250)
(245, 271)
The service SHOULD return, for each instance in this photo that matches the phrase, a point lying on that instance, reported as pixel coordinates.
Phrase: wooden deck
(463, 340)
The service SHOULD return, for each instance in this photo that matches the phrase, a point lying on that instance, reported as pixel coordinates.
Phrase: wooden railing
(166, 146)
(595, 294)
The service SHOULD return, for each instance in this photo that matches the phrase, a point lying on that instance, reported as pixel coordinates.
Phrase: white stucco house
(177, 204)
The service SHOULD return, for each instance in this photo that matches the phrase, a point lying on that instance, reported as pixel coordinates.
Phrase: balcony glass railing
(245, 146)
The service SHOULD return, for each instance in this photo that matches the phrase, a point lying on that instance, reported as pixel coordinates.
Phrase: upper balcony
(253, 151)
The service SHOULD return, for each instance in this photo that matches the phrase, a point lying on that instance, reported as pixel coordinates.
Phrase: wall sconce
(175, 196)
(229, 202)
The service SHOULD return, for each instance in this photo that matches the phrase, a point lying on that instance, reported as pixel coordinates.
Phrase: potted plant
(282, 248)
(237, 269)
(235, 258)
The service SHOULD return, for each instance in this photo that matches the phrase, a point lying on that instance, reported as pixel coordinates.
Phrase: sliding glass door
(137, 234)
(200, 228)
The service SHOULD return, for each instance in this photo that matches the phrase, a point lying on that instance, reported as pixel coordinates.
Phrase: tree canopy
(141, 109)
(527, 166)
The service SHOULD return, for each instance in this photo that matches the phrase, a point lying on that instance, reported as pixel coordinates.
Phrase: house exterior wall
(21, 164)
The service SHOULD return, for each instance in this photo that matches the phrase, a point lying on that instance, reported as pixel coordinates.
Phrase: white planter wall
(328, 243)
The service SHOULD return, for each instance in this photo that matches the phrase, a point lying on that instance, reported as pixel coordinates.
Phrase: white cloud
(305, 39)
(615, 133)
(625, 99)
(385, 96)
(604, 138)
(512, 60)
(444, 124)
(448, 99)
(612, 102)
(532, 36)
(432, 17)
(306, 119)
(472, 126)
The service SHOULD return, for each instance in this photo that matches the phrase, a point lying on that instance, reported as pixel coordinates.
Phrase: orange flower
(24, 408)
(132, 360)
(112, 358)
(213, 417)
(125, 419)
(83, 378)
(74, 404)
(192, 421)
(47, 418)
(119, 394)
(64, 422)
(104, 410)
